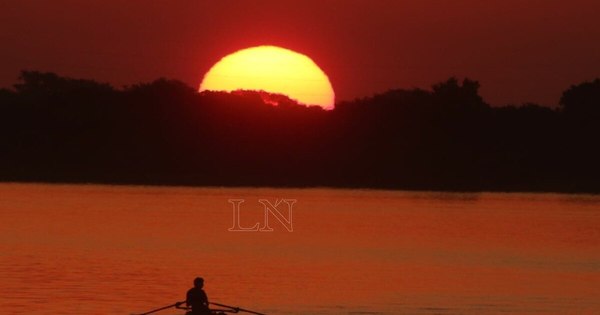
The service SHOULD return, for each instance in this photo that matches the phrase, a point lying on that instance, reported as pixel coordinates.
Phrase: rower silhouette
(196, 303)
(196, 299)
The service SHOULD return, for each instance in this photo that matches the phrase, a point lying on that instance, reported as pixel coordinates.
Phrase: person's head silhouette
(198, 282)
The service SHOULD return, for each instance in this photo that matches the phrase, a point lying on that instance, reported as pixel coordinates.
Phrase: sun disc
(272, 69)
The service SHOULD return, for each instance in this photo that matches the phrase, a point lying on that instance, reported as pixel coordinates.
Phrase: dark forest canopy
(55, 129)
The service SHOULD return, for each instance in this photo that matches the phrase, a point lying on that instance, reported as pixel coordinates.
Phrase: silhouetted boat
(228, 309)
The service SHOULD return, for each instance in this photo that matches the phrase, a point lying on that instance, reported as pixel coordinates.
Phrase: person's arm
(205, 298)
(188, 299)
(178, 304)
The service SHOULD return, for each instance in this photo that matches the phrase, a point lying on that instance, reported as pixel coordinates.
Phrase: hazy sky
(520, 51)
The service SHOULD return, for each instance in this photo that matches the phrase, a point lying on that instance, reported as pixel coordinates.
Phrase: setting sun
(274, 70)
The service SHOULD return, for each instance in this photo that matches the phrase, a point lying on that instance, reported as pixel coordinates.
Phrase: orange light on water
(274, 70)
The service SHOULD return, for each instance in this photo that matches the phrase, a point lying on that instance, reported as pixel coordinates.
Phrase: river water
(93, 249)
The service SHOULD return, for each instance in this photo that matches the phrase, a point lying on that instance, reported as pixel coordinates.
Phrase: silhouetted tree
(582, 99)
(164, 132)
(450, 93)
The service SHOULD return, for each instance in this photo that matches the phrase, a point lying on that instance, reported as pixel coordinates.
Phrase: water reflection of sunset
(124, 248)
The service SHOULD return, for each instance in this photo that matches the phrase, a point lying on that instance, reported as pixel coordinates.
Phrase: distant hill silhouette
(55, 129)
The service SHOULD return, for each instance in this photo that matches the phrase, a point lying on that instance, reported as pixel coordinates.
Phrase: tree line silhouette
(56, 129)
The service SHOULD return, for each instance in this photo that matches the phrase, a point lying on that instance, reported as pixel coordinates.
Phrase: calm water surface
(88, 249)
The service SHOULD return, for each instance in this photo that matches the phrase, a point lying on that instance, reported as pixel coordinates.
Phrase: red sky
(519, 50)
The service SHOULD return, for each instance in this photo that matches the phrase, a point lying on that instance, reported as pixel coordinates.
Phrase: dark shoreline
(407, 189)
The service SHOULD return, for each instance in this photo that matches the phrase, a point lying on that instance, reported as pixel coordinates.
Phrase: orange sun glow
(274, 70)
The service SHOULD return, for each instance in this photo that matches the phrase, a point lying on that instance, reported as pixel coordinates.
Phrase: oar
(161, 308)
(237, 308)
